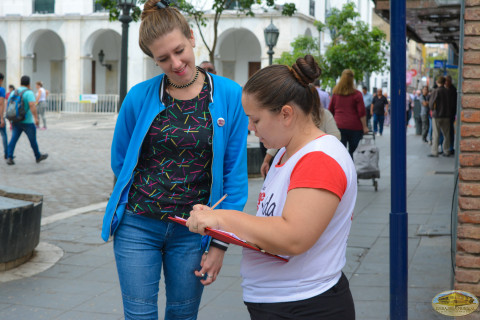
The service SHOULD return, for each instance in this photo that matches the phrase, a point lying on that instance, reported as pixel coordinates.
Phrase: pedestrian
(452, 94)
(208, 66)
(11, 88)
(180, 139)
(442, 112)
(304, 210)
(379, 110)
(425, 113)
(348, 111)
(41, 99)
(417, 109)
(27, 125)
(367, 100)
(324, 96)
(408, 108)
(3, 122)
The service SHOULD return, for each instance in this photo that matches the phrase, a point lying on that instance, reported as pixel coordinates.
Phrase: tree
(198, 14)
(301, 46)
(353, 46)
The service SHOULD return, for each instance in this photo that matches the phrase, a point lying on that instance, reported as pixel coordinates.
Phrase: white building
(58, 42)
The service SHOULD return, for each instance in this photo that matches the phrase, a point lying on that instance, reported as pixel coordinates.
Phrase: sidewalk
(82, 282)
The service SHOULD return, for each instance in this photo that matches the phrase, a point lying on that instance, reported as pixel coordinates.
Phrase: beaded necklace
(185, 85)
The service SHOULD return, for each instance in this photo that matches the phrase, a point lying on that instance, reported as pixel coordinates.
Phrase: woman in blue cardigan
(180, 139)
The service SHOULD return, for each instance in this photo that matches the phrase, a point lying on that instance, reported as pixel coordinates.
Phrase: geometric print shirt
(173, 172)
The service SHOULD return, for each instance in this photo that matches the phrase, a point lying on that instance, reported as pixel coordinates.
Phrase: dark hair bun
(307, 70)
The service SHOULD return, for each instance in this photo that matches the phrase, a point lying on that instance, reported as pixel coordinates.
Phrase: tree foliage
(353, 46)
(198, 14)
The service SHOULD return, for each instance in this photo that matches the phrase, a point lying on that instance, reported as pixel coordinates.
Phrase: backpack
(16, 109)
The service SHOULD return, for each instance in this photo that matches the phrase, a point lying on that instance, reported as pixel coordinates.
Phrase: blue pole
(398, 215)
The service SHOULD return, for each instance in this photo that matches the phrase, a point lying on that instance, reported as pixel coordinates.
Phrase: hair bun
(306, 70)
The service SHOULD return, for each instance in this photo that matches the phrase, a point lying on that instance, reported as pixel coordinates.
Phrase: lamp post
(271, 36)
(101, 58)
(125, 19)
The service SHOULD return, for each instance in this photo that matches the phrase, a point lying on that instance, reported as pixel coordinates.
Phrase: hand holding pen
(201, 217)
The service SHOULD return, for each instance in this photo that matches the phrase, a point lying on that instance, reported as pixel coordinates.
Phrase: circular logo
(221, 122)
(455, 303)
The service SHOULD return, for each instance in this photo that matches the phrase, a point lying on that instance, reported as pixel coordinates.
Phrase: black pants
(334, 304)
(351, 138)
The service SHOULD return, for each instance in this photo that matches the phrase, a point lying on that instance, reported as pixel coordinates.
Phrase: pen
(219, 201)
(213, 207)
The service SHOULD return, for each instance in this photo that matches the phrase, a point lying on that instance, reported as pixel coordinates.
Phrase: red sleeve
(320, 171)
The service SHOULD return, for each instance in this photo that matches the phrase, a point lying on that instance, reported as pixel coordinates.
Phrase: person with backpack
(25, 120)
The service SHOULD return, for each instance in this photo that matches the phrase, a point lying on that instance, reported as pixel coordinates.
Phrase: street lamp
(101, 58)
(271, 36)
(125, 19)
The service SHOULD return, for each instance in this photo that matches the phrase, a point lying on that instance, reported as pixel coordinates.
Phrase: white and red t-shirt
(323, 163)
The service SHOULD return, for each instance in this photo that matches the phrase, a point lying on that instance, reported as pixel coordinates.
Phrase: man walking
(452, 94)
(441, 114)
(3, 122)
(367, 100)
(379, 109)
(27, 125)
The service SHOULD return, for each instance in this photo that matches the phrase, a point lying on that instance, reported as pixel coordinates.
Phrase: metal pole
(270, 55)
(398, 216)
(125, 18)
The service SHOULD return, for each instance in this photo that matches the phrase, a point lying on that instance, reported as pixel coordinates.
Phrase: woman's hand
(201, 217)
(266, 165)
(211, 264)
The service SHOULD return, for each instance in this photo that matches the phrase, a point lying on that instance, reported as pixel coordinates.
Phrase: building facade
(58, 42)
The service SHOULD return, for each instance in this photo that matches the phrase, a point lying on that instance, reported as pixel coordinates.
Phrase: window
(97, 7)
(312, 8)
(232, 5)
(43, 6)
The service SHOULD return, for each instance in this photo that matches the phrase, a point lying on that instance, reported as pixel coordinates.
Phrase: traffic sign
(439, 64)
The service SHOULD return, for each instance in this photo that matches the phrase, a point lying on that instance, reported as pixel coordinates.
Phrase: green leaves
(353, 46)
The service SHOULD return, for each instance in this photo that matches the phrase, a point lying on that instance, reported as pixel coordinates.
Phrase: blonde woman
(180, 139)
(348, 110)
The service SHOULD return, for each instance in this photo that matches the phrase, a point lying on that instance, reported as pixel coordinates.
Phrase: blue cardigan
(229, 167)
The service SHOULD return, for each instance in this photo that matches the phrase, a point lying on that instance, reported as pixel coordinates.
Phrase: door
(252, 68)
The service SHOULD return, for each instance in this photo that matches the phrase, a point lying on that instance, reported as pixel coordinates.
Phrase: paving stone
(84, 284)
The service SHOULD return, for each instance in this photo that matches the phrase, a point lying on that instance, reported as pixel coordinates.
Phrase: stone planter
(20, 215)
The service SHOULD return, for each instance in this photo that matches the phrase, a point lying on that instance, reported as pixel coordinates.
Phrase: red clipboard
(225, 237)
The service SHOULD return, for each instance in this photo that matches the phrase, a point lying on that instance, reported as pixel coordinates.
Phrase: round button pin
(221, 122)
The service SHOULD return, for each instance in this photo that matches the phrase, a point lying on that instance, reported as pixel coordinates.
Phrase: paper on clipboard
(229, 238)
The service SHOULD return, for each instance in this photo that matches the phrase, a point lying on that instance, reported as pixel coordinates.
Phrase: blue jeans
(3, 133)
(30, 131)
(430, 128)
(352, 138)
(378, 123)
(142, 246)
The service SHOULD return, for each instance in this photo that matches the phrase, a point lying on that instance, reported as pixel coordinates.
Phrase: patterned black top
(174, 168)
